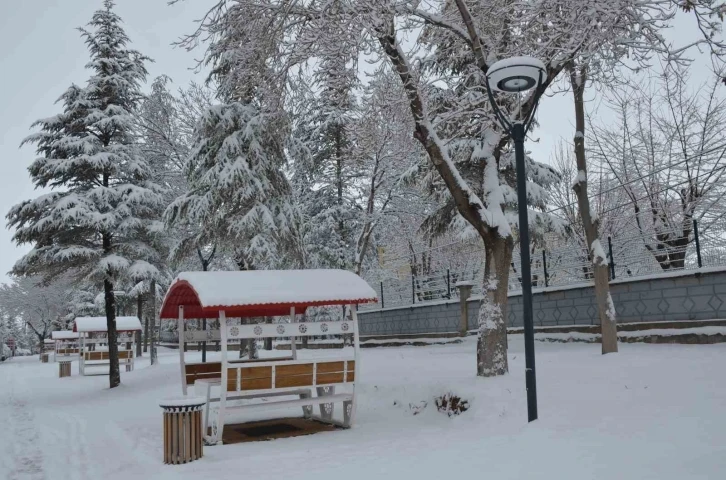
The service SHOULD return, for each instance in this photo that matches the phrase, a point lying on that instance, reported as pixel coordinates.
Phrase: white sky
(42, 54)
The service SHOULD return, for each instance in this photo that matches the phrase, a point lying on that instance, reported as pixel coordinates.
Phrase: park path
(39, 440)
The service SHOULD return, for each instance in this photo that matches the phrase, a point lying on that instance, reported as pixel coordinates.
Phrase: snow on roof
(63, 335)
(98, 324)
(262, 292)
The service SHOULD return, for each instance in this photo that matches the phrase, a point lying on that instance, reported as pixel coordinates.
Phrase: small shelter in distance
(66, 343)
(93, 336)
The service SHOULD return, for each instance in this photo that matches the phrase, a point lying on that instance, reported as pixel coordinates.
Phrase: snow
(598, 253)
(660, 332)
(647, 412)
(669, 332)
(182, 401)
(98, 324)
(64, 334)
(581, 177)
(276, 286)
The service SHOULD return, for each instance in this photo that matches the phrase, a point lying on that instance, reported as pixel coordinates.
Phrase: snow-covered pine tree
(238, 193)
(327, 130)
(94, 221)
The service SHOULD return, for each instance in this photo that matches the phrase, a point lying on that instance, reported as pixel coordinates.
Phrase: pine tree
(99, 212)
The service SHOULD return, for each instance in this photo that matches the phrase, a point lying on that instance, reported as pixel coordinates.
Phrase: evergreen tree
(99, 213)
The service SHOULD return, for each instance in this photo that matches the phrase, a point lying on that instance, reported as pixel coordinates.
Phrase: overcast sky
(42, 53)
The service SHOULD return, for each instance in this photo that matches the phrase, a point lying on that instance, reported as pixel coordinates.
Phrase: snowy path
(649, 412)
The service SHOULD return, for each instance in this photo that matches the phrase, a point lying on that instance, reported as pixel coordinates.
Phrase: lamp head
(516, 74)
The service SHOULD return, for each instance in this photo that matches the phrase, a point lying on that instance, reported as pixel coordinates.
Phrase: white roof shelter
(64, 335)
(98, 324)
(261, 293)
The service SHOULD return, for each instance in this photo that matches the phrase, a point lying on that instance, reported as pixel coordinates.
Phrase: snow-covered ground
(650, 411)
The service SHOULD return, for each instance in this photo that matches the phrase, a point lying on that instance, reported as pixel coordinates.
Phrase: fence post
(448, 284)
(413, 289)
(383, 302)
(544, 265)
(698, 243)
(612, 261)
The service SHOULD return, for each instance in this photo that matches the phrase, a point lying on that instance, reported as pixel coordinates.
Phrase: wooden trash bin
(44, 357)
(182, 429)
(64, 368)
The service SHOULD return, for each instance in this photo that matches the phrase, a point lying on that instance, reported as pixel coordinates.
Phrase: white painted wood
(180, 331)
(293, 339)
(191, 336)
(356, 354)
(223, 381)
(298, 329)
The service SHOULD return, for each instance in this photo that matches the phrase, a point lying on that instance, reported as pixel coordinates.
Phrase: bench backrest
(197, 371)
(67, 351)
(94, 356)
(310, 374)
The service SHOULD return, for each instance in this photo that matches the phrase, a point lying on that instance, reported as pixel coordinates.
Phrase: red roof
(247, 293)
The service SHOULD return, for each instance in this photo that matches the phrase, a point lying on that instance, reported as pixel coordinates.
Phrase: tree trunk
(492, 343)
(140, 314)
(114, 376)
(268, 340)
(146, 332)
(492, 337)
(152, 292)
(605, 307)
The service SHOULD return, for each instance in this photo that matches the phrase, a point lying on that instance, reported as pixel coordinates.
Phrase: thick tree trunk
(146, 332)
(492, 337)
(605, 307)
(152, 297)
(114, 376)
(492, 344)
(140, 314)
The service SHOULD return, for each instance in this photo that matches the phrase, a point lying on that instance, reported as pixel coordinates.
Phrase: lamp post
(515, 76)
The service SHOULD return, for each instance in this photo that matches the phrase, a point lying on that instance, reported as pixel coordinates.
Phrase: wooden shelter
(265, 293)
(93, 343)
(66, 344)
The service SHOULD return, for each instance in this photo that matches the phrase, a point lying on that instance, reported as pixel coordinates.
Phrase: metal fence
(431, 275)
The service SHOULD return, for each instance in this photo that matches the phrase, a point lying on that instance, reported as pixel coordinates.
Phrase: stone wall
(675, 296)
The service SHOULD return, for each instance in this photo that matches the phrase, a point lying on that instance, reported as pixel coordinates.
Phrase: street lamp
(517, 75)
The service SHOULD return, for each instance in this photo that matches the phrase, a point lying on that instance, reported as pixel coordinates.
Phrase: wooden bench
(67, 351)
(202, 376)
(95, 358)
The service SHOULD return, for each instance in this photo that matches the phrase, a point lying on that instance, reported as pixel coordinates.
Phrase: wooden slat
(203, 367)
(174, 436)
(330, 367)
(350, 376)
(293, 381)
(166, 437)
(256, 372)
(180, 437)
(327, 378)
(231, 379)
(256, 383)
(191, 378)
(351, 365)
(297, 369)
(188, 437)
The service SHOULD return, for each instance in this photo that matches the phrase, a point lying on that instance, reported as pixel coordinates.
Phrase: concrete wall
(675, 296)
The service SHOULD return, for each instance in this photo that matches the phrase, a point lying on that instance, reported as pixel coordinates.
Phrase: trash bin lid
(182, 402)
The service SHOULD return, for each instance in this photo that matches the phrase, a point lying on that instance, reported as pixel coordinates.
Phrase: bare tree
(667, 154)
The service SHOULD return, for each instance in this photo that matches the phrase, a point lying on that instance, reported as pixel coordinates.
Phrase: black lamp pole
(518, 135)
(518, 131)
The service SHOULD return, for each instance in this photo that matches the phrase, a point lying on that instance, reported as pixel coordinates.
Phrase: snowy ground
(651, 411)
